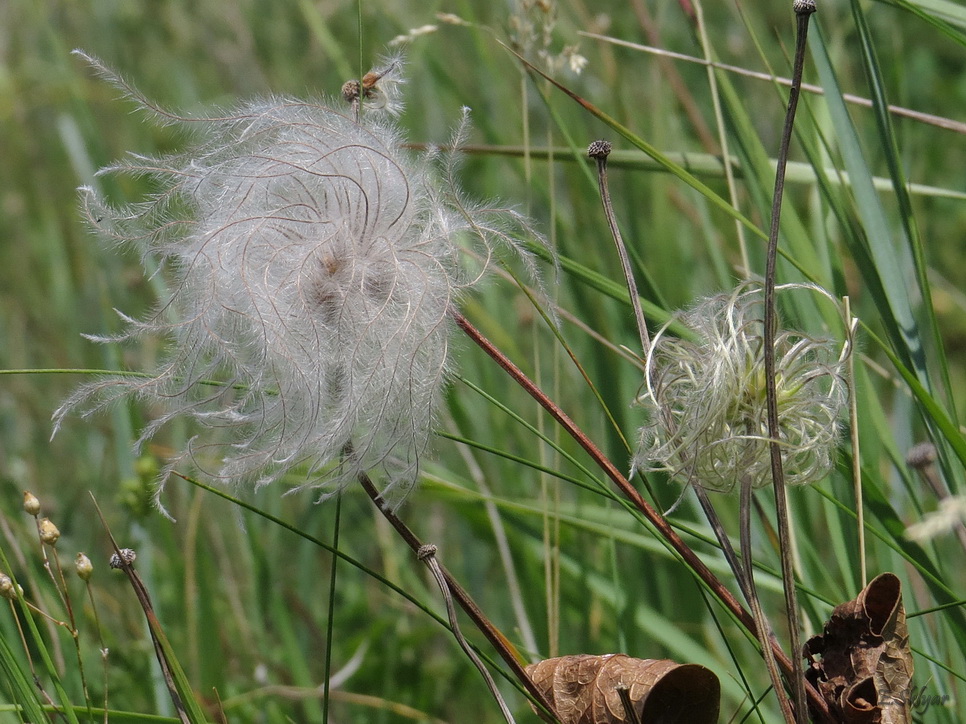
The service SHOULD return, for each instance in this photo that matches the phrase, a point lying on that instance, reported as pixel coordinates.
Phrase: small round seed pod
(30, 503)
(599, 149)
(125, 558)
(8, 589)
(48, 532)
(83, 566)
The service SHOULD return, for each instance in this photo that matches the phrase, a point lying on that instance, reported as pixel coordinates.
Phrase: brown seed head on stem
(599, 149)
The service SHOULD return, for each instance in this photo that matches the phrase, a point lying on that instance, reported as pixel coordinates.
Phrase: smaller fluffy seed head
(707, 399)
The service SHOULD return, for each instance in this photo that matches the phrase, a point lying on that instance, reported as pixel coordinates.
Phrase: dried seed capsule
(921, 456)
(30, 503)
(48, 532)
(83, 566)
(599, 149)
(8, 589)
(125, 558)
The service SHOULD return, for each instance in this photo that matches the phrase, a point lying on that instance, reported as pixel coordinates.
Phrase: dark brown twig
(803, 10)
(630, 713)
(123, 559)
(599, 151)
(493, 635)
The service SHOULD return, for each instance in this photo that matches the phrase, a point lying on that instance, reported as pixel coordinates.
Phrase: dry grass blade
(939, 121)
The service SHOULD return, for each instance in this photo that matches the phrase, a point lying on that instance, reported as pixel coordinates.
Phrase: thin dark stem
(630, 713)
(803, 10)
(493, 635)
(123, 559)
(719, 533)
(327, 669)
(751, 595)
(663, 528)
(599, 150)
(744, 574)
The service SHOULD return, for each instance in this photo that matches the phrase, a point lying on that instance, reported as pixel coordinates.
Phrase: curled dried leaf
(585, 689)
(861, 663)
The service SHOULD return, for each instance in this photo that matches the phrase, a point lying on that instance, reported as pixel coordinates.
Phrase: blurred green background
(246, 602)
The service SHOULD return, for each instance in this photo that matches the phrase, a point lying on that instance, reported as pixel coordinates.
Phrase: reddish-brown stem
(493, 635)
(630, 492)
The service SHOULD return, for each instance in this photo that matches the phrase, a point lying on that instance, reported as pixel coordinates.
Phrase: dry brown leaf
(861, 663)
(584, 689)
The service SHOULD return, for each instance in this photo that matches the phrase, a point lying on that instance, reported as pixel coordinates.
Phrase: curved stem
(427, 554)
(663, 528)
(803, 9)
(493, 635)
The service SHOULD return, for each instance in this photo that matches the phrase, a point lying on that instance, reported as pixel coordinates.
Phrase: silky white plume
(313, 263)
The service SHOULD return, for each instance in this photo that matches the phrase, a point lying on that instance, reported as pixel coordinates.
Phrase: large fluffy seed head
(706, 395)
(313, 263)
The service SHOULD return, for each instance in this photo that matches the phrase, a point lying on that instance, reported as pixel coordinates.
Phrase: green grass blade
(889, 259)
(19, 686)
(651, 151)
(945, 16)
